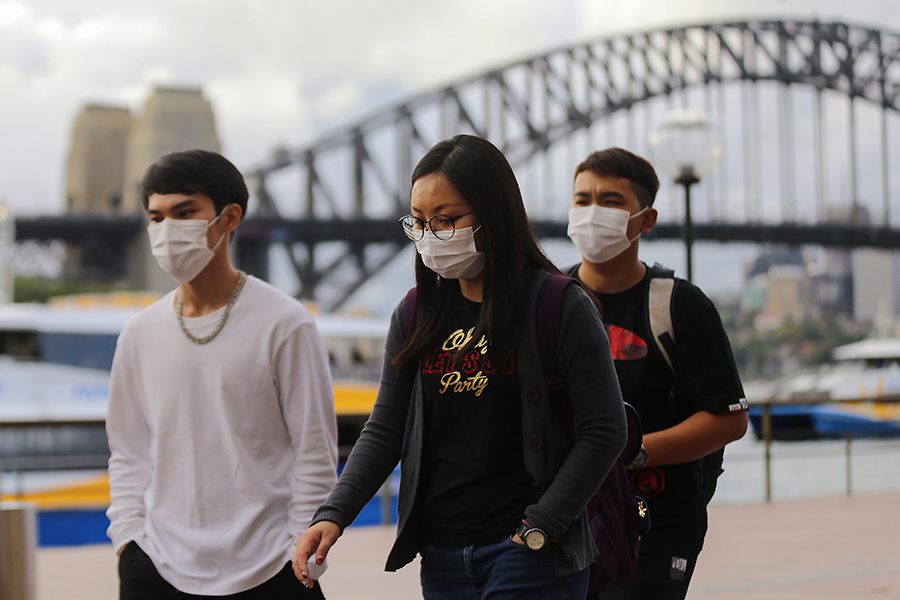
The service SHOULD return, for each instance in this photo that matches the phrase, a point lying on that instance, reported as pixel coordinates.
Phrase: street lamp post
(687, 234)
(686, 147)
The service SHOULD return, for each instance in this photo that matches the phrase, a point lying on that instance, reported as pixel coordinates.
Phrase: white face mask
(599, 232)
(455, 258)
(180, 246)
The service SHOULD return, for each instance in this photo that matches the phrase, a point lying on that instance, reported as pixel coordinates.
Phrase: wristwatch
(640, 461)
(534, 538)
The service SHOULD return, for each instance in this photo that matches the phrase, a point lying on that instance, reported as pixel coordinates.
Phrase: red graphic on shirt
(648, 482)
(625, 345)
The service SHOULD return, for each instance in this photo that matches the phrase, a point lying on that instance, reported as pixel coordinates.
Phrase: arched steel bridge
(806, 111)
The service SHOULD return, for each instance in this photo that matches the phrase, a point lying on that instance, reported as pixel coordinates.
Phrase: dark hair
(483, 176)
(627, 165)
(196, 172)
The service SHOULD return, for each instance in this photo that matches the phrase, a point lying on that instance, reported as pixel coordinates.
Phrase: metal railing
(768, 434)
(16, 465)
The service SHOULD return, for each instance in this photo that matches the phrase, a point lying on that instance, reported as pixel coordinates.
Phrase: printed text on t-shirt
(472, 374)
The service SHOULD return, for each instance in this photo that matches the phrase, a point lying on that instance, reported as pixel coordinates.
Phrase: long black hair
(483, 176)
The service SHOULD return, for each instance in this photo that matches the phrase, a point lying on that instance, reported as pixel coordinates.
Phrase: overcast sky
(279, 72)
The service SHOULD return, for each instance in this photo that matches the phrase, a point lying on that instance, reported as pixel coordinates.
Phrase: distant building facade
(836, 275)
(172, 119)
(876, 288)
(776, 289)
(787, 297)
(111, 149)
(96, 165)
(784, 285)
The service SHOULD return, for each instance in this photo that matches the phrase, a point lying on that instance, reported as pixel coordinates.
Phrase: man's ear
(232, 217)
(648, 219)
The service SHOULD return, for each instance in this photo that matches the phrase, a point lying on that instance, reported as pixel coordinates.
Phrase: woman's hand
(315, 541)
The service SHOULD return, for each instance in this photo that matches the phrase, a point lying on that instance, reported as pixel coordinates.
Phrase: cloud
(284, 71)
(23, 40)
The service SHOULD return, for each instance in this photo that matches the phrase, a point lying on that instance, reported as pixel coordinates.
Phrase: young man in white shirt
(221, 417)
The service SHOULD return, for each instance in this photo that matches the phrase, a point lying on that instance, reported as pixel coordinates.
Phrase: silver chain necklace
(204, 340)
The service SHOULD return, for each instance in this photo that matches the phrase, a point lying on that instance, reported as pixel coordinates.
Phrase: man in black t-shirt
(689, 410)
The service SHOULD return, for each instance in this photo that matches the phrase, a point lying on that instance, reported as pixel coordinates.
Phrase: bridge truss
(806, 111)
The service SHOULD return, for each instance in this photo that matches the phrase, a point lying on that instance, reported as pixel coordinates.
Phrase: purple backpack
(617, 518)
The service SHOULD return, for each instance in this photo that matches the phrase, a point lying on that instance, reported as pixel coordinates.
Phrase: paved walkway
(831, 549)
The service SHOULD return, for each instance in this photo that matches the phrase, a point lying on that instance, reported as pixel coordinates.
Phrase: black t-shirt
(475, 487)
(707, 380)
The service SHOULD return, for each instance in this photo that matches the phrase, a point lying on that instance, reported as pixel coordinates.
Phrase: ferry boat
(54, 386)
(857, 394)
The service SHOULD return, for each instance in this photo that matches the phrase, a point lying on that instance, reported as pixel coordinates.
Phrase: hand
(517, 539)
(317, 540)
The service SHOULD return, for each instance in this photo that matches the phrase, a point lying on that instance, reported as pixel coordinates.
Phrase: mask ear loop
(638, 213)
(643, 210)
(210, 224)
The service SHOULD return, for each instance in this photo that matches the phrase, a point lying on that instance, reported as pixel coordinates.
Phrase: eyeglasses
(442, 226)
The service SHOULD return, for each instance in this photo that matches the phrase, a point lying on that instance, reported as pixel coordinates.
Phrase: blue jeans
(503, 570)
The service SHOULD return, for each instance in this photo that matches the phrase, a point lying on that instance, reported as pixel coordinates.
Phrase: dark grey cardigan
(564, 478)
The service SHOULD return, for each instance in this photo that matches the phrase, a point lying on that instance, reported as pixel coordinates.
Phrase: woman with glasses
(464, 406)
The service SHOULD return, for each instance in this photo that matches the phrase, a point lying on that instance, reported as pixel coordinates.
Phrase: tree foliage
(766, 354)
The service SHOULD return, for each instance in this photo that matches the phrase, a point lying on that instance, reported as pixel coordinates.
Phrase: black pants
(139, 580)
(657, 577)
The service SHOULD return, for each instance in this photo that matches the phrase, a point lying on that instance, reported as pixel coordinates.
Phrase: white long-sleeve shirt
(220, 453)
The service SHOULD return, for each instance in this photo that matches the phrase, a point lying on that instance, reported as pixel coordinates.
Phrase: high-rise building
(111, 150)
(96, 164)
(172, 119)
(787, 296)
(835, 280)
(876, 288)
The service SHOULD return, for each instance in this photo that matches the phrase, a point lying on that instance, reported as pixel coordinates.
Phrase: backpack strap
(660, 290)
(548, 317)
(547, 320)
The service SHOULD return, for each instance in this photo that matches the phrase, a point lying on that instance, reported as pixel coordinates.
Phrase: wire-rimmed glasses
(442, 226)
